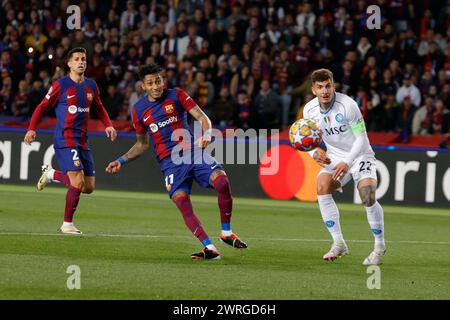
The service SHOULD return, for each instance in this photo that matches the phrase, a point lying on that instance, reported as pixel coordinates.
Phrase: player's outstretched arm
(141, 145)
(201, 117)
(49, 101)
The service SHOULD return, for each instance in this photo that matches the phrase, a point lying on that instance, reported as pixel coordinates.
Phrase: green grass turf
(136, 246)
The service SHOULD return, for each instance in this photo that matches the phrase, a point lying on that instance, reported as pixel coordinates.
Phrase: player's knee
(323, 188)
(180, 196)
(88, 189)
(367, 194)
(368, 201)
(78, 183)
(222, 184)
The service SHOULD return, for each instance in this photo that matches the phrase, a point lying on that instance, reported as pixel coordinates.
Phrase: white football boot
(70, 230)
(375, 258)
(338, 249)
(43, 180)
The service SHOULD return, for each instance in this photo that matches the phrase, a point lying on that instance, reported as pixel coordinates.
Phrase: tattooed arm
(201, 117)
(141, 145)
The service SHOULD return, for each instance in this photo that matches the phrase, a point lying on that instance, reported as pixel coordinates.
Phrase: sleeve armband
(359, 127)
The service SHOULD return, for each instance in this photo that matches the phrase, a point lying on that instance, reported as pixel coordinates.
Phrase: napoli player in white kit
(348, 155)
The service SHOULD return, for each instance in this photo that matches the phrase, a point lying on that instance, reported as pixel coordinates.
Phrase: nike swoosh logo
(145, 119)
(69, 97)
(214, 166)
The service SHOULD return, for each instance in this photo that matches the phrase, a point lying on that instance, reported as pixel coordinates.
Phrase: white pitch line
(149, 236)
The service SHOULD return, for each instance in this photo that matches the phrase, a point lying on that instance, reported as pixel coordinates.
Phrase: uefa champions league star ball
(304, 135)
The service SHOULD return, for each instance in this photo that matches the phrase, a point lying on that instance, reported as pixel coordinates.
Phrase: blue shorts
(179, 177)
(75, 159)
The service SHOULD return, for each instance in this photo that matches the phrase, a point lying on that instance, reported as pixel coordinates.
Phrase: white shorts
(364, 166)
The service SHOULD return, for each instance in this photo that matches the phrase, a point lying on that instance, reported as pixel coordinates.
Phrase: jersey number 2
(75, 154)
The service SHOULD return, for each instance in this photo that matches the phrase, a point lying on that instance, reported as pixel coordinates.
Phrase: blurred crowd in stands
(246, 63)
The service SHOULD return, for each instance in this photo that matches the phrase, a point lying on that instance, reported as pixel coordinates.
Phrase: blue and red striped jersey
(72, 102)
(161, 118)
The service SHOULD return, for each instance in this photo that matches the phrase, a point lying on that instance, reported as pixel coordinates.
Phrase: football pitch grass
(136, 246)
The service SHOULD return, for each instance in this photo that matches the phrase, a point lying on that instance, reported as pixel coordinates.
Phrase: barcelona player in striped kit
(72, 96)
(160, 116)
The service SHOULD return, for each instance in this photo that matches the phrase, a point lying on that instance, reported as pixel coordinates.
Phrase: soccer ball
(304, 135)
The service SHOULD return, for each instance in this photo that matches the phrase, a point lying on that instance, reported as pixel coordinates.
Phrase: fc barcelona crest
(77, 163)
(169, 108)
(89, 96)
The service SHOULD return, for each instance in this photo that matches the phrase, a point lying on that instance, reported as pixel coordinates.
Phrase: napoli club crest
(339, 117)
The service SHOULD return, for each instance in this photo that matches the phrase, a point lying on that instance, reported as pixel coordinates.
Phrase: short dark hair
(75, 50)
(322, 75)
(200, 70)
(149, 69)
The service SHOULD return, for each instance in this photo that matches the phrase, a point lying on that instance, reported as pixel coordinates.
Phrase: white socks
(375, 216)
(67, 224)
(227, 233)
(330, 216)
(51, 174)
(211, 247)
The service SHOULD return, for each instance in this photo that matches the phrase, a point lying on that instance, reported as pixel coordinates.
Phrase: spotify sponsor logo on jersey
(155, 127)
(74, 109)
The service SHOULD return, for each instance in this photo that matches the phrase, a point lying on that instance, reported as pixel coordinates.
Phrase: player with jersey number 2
(72, 96)
(158, 117)
(348, 155)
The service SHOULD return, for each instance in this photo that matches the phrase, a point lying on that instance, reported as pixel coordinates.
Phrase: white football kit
(345, 136)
